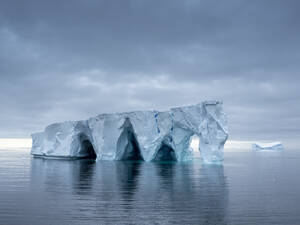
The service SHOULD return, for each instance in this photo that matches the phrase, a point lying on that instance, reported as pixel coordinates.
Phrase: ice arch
(87, 150)
(194, 143)
(146, 135)
(127, 145)
(165, 153)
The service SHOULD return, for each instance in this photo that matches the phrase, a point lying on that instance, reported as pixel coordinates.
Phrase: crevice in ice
(127, 145)
(87, 150)
(165, 153)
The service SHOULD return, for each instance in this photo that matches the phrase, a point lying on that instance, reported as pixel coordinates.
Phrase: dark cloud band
(63, 60)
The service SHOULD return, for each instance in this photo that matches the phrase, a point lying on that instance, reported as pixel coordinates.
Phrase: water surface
(250, 188)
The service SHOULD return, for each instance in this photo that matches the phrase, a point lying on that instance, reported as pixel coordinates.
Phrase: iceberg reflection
(113, 192)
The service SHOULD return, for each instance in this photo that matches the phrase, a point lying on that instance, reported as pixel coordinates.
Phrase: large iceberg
(139, 135)
(275, 146)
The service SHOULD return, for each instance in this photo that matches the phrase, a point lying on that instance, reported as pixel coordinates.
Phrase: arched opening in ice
(127, 145)
(165, 153)
(87, 150)
(132, 150)
(194, 145)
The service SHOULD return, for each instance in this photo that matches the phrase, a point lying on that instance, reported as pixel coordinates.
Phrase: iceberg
(139, 135)
(275, 146)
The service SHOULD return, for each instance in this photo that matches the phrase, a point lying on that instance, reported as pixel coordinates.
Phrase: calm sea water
(250, 188)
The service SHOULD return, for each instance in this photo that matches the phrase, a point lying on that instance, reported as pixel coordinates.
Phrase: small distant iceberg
(271, 146)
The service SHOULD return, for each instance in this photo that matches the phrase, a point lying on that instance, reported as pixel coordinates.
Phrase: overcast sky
(70, 60)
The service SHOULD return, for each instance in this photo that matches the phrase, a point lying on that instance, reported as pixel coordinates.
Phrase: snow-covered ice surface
(276, 146)
(139, 135)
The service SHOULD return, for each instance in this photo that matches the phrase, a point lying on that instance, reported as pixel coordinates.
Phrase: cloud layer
(65, 60)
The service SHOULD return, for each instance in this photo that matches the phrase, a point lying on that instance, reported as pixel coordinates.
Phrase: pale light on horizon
(27, 143)
(15, 143)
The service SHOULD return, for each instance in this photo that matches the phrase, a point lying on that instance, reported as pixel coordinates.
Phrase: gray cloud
(63, 60)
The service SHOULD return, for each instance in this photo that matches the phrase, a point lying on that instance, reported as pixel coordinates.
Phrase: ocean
(249, 188)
